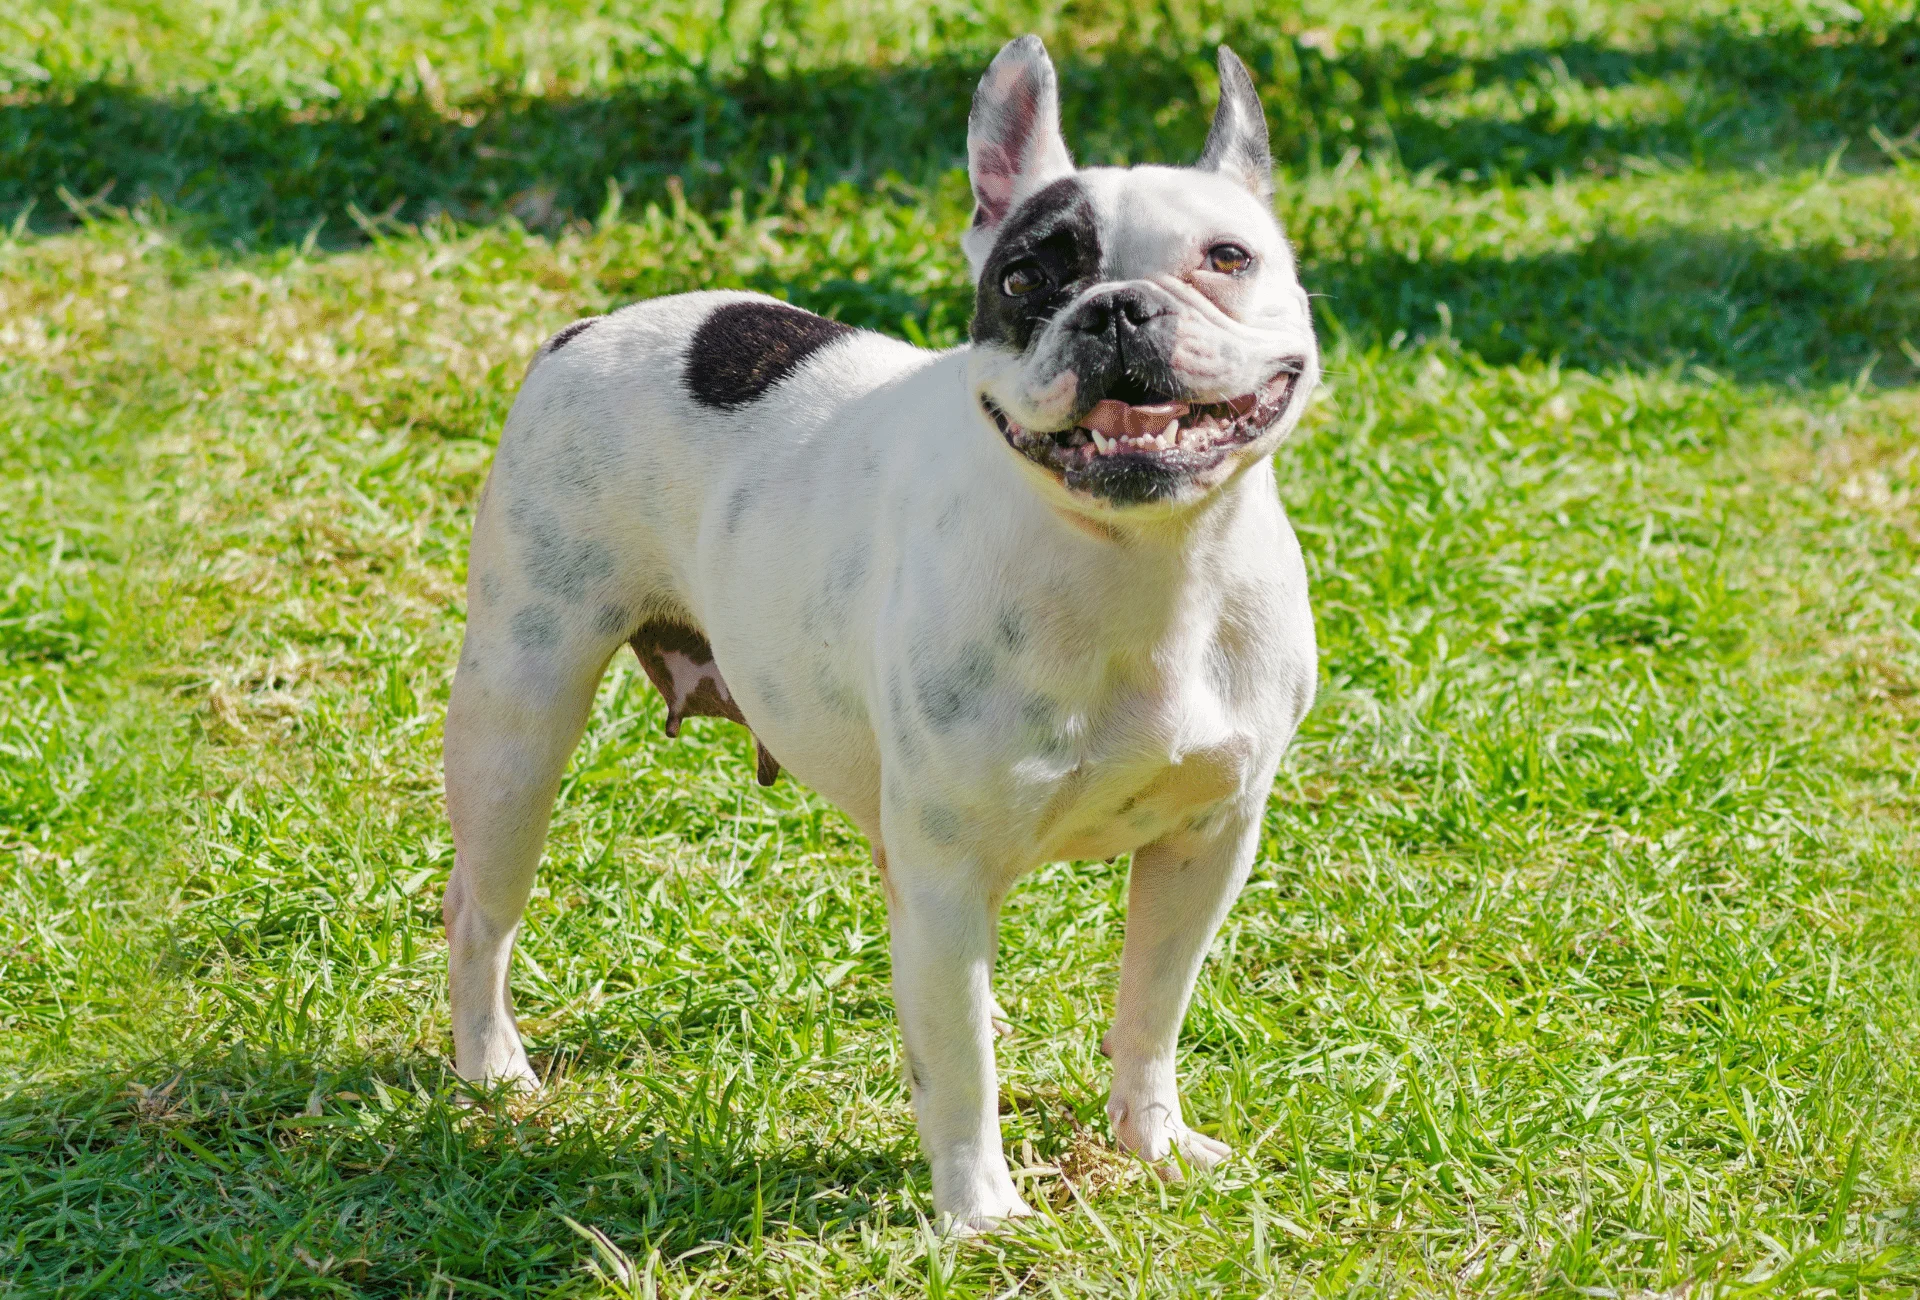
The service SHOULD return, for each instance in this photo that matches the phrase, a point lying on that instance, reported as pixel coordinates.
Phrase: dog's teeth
(1101, 443)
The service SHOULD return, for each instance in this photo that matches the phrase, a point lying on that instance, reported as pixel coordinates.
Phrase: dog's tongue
(1118, 420)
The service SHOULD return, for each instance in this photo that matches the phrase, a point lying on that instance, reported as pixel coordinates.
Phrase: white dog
(1026, 600)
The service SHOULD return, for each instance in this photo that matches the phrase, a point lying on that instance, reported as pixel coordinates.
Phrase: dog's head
(1139, 333)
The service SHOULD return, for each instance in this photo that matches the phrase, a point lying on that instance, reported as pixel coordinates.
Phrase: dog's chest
(1091, 710)
(1100, 811)
(1138, 764)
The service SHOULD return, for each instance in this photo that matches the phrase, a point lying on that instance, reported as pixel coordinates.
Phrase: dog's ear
(1237, 144)
(1013, 139)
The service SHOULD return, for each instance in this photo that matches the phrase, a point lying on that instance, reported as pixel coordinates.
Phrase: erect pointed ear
(1237, 144)
(1013, 140)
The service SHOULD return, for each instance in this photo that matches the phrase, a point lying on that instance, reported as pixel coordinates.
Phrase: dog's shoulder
(726, 350)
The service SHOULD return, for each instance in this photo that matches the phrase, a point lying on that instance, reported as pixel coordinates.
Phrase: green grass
(1583, 952)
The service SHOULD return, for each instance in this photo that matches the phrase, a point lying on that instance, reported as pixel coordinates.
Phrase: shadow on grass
(1749, 312)
(266, 175)
(260, 177)
(369, 1173)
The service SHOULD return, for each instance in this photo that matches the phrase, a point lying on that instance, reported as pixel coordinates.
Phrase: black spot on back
(744, 348)
(838, 698)
(1054, 229)
(571, 332)
(848, 571)
(1220, 670)
(1041, 722)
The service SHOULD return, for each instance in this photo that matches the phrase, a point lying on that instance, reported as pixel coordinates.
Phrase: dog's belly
(782, 594)
(835, 757)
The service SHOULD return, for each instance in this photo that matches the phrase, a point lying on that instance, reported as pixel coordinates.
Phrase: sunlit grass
(1581, 956)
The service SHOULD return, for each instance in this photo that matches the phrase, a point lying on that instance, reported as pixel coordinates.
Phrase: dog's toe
(1201, 1151)
(498, 1083)
(1002, 1023)
(1154, 1135)
(984, 1219)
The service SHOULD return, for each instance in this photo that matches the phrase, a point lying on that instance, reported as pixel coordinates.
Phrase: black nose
(1123, 312)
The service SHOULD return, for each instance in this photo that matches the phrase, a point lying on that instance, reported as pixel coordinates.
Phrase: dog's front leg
(1178, 894)
(941, 914)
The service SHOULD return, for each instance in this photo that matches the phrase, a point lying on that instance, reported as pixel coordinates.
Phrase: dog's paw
(988, 1215)
(972, 1196)
(1198, 1150)
(520, 1080)
(1154, 1132)
(513, 1079)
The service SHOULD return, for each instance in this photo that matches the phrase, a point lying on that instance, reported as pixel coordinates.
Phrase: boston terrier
(1025, 600)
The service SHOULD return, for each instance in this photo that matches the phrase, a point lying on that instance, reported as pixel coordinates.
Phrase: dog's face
(1139, 334)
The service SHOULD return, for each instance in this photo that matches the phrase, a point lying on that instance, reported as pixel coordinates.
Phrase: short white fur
(984, 669)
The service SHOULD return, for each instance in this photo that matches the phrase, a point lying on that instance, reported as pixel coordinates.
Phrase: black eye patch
(1054, 233)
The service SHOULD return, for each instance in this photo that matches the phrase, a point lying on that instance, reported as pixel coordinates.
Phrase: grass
(1583, 953)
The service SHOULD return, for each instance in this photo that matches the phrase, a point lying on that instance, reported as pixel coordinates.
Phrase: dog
(1029, 599)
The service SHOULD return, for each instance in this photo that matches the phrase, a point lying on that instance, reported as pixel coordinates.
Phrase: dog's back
(637, 432)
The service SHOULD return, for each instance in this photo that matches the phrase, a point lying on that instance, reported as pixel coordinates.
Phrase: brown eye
(1022, 278)
(1229, 259)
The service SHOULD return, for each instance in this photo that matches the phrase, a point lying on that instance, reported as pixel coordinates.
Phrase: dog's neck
(1159, 579)
(1191, 528)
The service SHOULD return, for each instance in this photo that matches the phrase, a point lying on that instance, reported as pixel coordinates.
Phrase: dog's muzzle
(1134, 452)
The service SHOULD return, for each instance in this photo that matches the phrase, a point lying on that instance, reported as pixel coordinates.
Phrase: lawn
(1582, 956)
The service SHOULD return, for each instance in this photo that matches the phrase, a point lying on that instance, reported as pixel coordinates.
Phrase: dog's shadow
(387, 1170)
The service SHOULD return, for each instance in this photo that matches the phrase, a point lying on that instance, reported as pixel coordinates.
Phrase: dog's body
(991, 647)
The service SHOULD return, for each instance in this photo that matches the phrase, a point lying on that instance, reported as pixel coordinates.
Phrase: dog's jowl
(1025, 600)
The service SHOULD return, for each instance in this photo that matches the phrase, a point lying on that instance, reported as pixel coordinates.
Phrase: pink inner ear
(997, 159)
(993, 180)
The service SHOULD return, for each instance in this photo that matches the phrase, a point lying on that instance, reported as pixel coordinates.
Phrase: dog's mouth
(1171, 437)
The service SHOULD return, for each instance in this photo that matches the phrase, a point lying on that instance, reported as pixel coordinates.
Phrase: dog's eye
(1022, 278)
(1229, 259)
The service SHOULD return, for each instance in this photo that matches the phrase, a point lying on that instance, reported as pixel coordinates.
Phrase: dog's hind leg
(537, 642)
